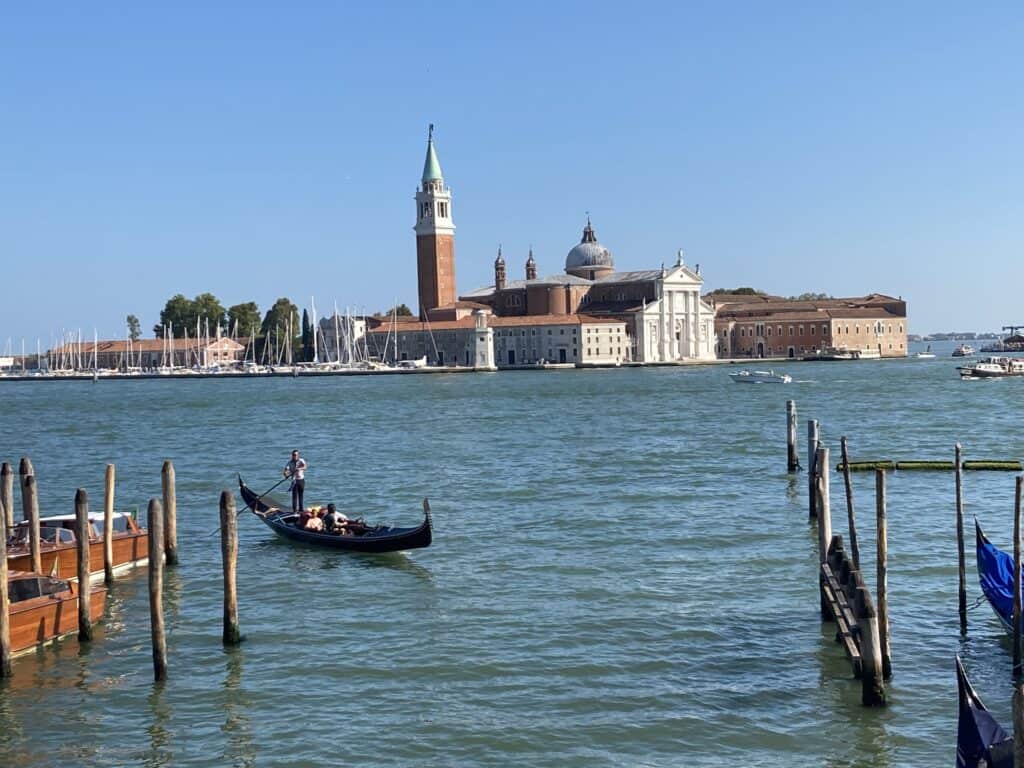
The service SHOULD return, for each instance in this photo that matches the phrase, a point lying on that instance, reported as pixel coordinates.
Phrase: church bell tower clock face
(435, 235)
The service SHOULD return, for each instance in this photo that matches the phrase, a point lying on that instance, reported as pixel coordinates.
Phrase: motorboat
(964, 350)
(761, 377)
(926, 355)
(994, 367)
(58, 551)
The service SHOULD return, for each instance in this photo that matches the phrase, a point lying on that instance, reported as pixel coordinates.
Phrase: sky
(257, 150)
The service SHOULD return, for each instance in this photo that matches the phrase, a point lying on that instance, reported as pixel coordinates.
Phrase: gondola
(995, 572)
(980, 740)
(379, 538)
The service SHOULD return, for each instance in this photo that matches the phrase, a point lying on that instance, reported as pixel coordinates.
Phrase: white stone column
(695, 324)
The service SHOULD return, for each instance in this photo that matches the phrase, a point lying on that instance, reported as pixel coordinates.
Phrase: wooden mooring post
(170, 513)
(229, 555)
(871, 677)
(961, 559)
(812, 451)
(848, 483)
(1018, 673)
(108, 526)
(155, 521)
(792, 459)
(1018, 683)
(824, 511)
(7, 493)
(5, 601)
(30, 510)
(82, 549)
(882, 573)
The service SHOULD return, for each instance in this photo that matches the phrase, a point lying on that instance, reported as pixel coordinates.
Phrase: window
(561, 331)
(824, 330)
(769, 330)
(549, 331)
(801, 330)
(813, 328)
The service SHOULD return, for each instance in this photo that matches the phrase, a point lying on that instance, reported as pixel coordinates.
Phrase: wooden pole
(82, 527)
(5, 602)
(1018, 724)
(872, 683)
(155, 521)
(792, 460)
(30, 510)
(170, 513)
(7, 493)
(882, 562)
(1016, 581)
(848, 483)
(229, 555)
(824, 523)
(108, 526)
(1018, 685)
(960, 538)
(812, 450)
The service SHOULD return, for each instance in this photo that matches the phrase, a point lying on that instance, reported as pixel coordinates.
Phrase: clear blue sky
(262, 150)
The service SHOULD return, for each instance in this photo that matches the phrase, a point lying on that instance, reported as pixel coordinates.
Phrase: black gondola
(380, 538)
(980, 740)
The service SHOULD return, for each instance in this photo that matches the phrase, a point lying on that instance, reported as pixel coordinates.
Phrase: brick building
(771, 326)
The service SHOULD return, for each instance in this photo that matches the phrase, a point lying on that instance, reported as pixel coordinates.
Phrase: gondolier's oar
(286, 477)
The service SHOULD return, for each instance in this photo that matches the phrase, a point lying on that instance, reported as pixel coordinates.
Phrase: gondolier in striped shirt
(296, 470)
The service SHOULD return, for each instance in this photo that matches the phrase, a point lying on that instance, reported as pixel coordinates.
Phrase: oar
(286, 477)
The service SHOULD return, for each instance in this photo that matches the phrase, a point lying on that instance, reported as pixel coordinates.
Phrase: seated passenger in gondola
(303, 518)
(335, 521)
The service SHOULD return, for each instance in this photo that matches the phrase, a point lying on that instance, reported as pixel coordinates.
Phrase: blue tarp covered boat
(980, 740)
(995, 572)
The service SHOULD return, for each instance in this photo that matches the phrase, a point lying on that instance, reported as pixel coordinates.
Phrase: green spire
(431, 168)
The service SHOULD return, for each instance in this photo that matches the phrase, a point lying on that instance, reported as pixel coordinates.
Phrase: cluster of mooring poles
(861, 627)
(162, 549)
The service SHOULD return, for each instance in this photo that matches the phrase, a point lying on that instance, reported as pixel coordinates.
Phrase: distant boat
(993, 368)
(964, 350)
(760, 377)
(926, 355)
(980, 740)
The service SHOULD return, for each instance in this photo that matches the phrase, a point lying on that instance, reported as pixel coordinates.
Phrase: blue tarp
(995, 572)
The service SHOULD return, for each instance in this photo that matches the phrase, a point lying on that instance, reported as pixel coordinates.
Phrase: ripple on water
(623, 573)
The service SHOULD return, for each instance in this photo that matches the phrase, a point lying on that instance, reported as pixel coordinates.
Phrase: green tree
(401, 311)
(280, 317)
(810, 296)
(244, 319)
(307, 338)
(745, 291)
(178, 314)
(208, 310)
(134, 332)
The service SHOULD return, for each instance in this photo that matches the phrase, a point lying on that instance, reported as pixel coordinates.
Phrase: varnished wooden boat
(381, 538)
(57, 545)
(44, 608)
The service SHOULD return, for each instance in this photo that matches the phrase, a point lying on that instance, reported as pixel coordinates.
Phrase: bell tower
(435, 236)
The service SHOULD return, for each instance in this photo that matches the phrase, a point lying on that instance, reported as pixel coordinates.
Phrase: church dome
(589, 254)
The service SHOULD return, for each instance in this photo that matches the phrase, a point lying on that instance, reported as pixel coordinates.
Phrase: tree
(244, 319)
(134, 331)
(811, 296)
(178, 313)
(307, 338)
(280, 317)
(401, 311)
(736, 292)
(208, 310)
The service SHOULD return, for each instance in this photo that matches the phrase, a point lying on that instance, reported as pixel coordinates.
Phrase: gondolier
(296, 470)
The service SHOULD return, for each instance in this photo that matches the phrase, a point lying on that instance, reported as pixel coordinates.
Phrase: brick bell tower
(435, 236)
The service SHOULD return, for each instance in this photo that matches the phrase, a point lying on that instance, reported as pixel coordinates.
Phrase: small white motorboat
(761, 377)
(926, 355)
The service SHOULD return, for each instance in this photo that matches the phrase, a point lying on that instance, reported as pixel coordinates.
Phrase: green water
(622, 571)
